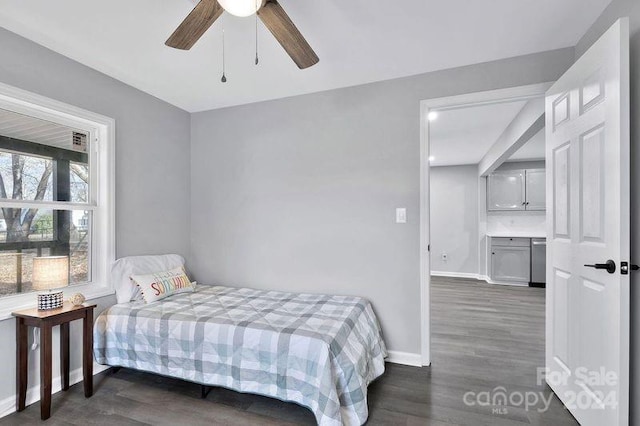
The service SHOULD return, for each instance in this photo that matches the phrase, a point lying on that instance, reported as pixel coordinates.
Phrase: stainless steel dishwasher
(538, 262)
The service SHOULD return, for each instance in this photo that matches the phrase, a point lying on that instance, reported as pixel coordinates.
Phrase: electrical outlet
(445, 256)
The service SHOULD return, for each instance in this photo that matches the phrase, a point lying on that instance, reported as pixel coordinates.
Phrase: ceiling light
(431, 158)
(241, 8)
(432, 115)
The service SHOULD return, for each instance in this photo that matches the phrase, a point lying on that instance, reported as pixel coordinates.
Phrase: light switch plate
(401, 215)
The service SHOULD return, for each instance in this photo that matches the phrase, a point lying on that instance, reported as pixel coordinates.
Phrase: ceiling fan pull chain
(224, 77)
(257, 60)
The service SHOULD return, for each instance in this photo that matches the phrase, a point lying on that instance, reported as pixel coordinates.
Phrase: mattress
(320, 351)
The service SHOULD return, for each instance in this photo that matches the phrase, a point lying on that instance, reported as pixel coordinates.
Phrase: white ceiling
(532, 150)
(358, 41)
(463, 136)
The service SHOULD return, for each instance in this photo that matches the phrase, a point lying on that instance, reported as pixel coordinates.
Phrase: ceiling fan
(270, 13)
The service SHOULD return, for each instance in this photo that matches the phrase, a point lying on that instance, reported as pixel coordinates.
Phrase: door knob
(609, 266)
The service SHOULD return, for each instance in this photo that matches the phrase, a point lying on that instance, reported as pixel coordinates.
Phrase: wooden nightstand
(46, 320)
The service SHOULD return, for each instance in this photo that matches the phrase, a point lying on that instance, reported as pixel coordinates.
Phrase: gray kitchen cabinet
(511, 260)
(506, 190)
(516, 190)
(535, 189)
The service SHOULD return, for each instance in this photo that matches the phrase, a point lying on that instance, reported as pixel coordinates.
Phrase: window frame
(101, 130)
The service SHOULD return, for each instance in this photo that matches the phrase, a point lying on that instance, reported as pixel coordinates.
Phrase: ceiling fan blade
(195, 25)
(284, 30)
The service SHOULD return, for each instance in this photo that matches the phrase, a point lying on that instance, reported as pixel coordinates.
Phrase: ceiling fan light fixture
(272, 15)
(241, 8)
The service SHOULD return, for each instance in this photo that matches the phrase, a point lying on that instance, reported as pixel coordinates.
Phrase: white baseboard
(405, 358)
(8, 405)
(456, 274)
(512, 284)
(476, 277)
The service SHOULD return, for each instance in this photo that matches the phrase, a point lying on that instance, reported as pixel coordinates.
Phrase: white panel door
(506, 190)
(587, 154)
(535, 187)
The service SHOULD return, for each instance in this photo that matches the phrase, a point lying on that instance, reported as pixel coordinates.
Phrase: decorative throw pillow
(123, 268)
(159, 285)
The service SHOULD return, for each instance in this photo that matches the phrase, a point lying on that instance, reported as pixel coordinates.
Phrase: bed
(319, 351)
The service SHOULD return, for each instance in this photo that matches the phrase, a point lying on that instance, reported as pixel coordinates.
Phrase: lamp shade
(50, 272)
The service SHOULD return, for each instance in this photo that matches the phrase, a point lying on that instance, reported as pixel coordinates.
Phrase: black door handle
(609, 266)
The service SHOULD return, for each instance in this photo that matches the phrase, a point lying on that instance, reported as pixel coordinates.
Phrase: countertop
(517, 234)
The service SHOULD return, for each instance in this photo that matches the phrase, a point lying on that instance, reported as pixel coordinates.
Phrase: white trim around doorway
(442, 104)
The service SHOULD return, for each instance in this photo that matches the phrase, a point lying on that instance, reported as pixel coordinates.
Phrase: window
(56, 195)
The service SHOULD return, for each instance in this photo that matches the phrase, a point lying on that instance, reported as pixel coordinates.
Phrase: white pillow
(159, 285)
(123, 268)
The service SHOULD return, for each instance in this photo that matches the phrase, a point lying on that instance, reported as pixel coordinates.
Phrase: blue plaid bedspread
(319, 351)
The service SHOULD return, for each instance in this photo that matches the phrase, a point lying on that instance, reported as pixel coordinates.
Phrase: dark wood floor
(484, 336)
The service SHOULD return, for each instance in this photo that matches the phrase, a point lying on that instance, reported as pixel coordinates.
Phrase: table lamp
(51, 272)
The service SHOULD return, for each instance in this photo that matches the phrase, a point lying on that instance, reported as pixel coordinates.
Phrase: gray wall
(617, 9)
(152, 162)
(454, 219)
(299, 194)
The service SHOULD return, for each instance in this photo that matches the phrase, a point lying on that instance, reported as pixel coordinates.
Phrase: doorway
(487, 208)
(471, 260)
(587, 313)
